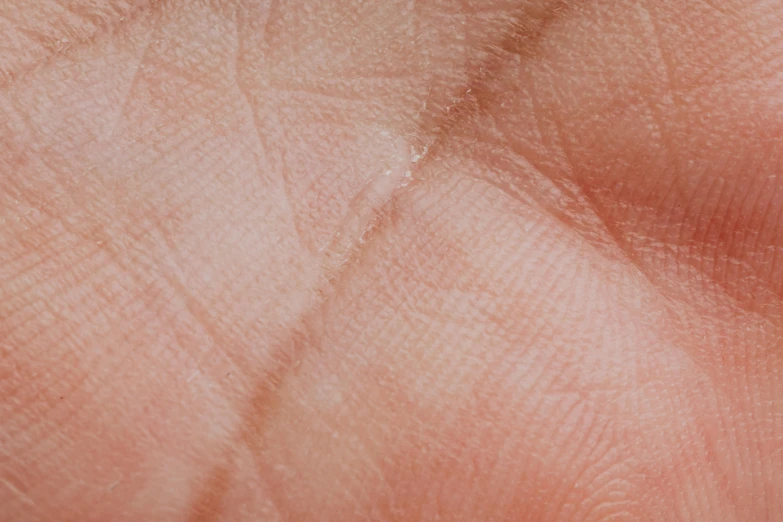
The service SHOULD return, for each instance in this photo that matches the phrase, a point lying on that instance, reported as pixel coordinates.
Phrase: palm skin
(394, 261)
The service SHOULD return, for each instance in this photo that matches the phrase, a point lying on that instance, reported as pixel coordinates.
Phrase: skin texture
(505, 260)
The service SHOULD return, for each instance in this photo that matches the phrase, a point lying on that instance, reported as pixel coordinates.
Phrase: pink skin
(391, 261)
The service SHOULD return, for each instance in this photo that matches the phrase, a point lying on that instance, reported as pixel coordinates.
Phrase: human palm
(395, 260)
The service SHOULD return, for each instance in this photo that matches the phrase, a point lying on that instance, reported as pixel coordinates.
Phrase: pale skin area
(423, 260)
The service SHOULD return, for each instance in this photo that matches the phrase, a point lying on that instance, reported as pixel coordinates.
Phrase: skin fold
(404, 260)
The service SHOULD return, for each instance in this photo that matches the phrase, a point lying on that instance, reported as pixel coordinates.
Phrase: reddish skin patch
(572, 314)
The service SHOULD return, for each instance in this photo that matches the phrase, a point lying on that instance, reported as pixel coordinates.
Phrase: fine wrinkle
(522, 34)
(65, 35)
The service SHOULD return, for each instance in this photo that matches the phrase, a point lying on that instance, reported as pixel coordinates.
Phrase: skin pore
(404, 260)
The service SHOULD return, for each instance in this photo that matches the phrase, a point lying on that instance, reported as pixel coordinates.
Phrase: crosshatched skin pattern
(410, 260)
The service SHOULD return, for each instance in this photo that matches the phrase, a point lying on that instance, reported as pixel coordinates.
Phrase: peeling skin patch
(418, 155)
(368, 205)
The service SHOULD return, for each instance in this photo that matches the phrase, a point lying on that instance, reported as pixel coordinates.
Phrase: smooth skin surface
(399, 260)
